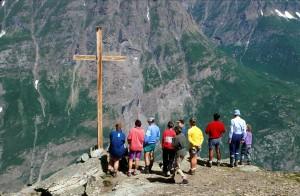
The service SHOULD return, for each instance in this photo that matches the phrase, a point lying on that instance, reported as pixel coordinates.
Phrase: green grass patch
(151, 78)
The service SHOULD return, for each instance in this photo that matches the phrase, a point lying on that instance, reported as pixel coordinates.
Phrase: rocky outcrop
(89, 179)
(73, 180)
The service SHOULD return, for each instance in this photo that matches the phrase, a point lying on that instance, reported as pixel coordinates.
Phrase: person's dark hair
(249, 128)
(181, 121)
(177, 130)
(216, 116)
(170, 124)
(193, 122)
(138, 123)
(118, 126)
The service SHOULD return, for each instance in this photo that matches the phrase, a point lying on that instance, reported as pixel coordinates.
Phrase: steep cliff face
(48, 101)
(263, 35)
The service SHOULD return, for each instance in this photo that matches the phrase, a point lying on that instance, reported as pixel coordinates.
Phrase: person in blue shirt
(116, 149)
(152, 136)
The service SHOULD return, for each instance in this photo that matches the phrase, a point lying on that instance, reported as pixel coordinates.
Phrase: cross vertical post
(99, 58)
(99, 87)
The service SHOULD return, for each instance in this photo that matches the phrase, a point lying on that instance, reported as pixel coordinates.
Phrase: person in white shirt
(237, 136)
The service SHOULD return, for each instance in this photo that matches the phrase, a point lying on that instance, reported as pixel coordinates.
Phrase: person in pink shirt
(135, 140)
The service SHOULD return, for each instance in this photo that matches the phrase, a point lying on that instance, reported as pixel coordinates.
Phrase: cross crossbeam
(94, 58)
(99, 58)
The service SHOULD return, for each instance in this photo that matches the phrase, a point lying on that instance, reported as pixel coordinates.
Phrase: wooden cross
(99, 58)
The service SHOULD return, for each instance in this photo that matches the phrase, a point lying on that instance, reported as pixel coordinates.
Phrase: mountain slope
(261, 34)
(48, 101)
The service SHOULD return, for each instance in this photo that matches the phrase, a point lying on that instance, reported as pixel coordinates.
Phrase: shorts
(114, 158)
(149, 148)
(135, 155)
(194, 151)
(214, 142)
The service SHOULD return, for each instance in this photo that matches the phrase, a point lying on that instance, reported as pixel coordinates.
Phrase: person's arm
(201, 138)
(175, 142)
(129, 137)
(230, 131)
(163, 138)
(223, 127)
(191, 138)
(207, 129)
(123, 138)
(147, 135)
(244, 130)
(250, 137)
(111, 136)
(158, 135)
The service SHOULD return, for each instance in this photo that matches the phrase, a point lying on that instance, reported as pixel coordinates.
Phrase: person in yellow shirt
(195, 138)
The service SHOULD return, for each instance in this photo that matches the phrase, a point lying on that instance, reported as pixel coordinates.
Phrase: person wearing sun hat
(151, 138)
(237, 134)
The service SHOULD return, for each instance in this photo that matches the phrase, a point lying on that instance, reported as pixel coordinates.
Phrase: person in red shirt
(215, 130)
(135, 141)
(168, 149)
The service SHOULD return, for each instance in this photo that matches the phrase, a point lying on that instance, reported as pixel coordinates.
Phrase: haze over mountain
(185, 58)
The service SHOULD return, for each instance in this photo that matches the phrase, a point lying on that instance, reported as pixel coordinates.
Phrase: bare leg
(193, 161)
(151, 160)
(130, 165)
(218, 153)
(136, 164)
(147, 158)
(111, 165)
(211, 154)
(116, 165)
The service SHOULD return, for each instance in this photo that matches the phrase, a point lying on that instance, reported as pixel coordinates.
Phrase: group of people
(174, 144)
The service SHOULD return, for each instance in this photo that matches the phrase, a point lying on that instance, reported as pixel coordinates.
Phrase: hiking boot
(135, 173)
(146, 170)
(114, 174)
(241, 163)
(192, 171)
(168, 173)
(184, 181)
(231, 162)
(235, 164)
(172, 180)
(209, 164)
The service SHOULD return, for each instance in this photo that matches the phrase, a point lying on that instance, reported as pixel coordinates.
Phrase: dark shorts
(114, 158)
(214, 142)
(135, 155)
(149, 148)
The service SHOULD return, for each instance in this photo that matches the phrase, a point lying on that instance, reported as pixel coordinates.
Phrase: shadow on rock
(161, 180)
(204, 163)
(104, 163)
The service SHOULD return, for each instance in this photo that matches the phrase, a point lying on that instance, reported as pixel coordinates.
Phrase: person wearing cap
(181, 125)
(215, 130)
(237, 136)
(151, 138)
(195, 138)
(167, 148)
(116, 149)
(179, 146)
